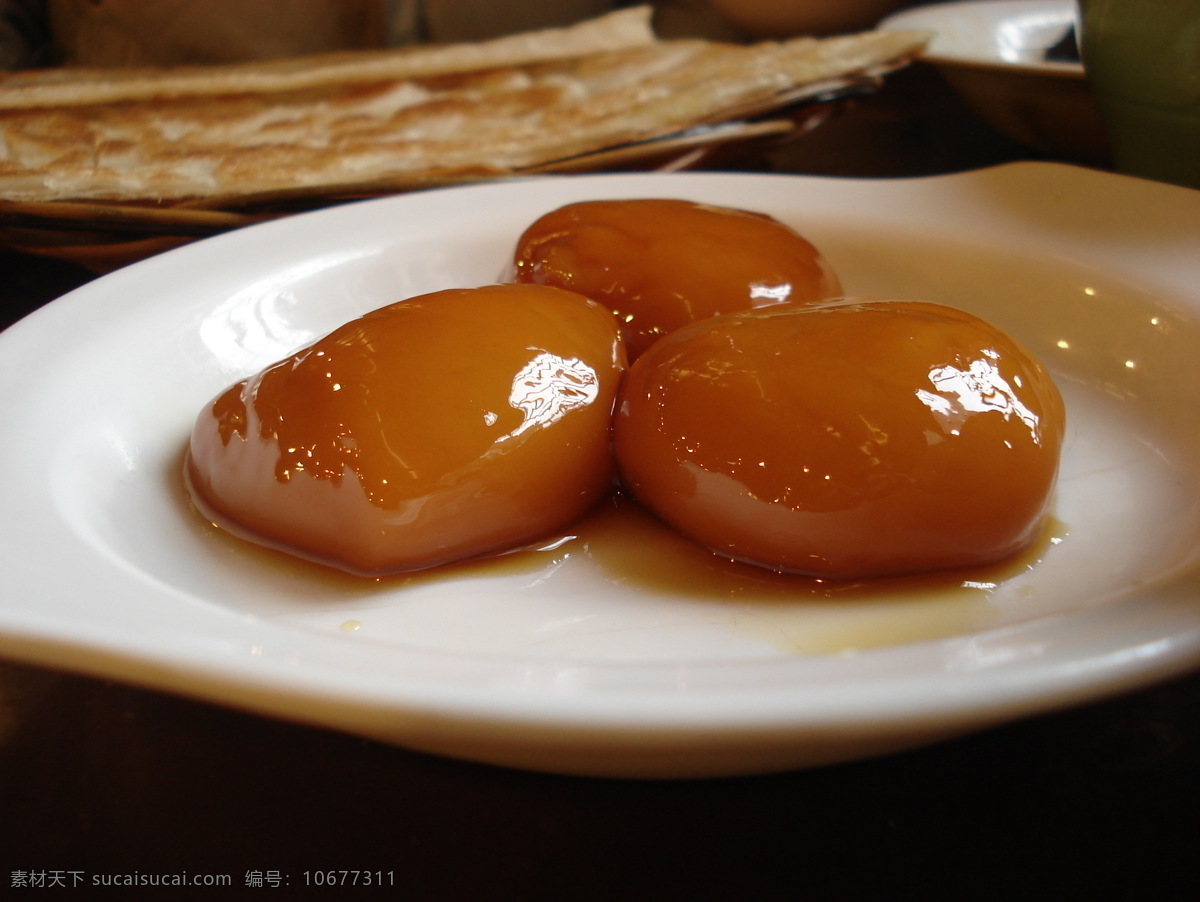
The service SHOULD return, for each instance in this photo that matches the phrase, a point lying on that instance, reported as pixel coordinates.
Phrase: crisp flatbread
(215, 134)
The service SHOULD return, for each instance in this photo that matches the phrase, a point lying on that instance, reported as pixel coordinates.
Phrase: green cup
(1142, 59)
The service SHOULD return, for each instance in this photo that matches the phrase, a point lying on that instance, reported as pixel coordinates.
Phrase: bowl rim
(926, 18)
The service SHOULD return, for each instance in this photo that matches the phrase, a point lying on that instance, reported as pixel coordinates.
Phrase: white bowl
(993, 54)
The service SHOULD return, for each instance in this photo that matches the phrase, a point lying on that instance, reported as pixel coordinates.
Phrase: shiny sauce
(636, 553)
(914, 501)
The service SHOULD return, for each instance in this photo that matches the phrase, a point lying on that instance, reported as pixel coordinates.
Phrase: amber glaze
(659, 264)
(460, 423)
(847, 440)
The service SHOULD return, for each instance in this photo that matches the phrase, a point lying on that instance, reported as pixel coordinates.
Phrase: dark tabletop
(1095, 803)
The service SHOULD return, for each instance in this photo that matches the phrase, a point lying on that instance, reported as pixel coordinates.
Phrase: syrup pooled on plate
(457, 424)
(660, 264)
(639, 556)
(846, 440)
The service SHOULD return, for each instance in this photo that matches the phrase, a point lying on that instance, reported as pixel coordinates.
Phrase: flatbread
(220, 134)
(79, 86)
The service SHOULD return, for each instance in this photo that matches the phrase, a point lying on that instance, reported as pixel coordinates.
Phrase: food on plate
(452, 425)
(659, 264)
(687, 356)
(373, 122)
(846, 440)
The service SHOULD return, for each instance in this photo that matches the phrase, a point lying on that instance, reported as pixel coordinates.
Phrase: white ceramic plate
(571, 667)
(993, 53)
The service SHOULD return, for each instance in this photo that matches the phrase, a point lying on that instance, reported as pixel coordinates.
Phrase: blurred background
(133, 32)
